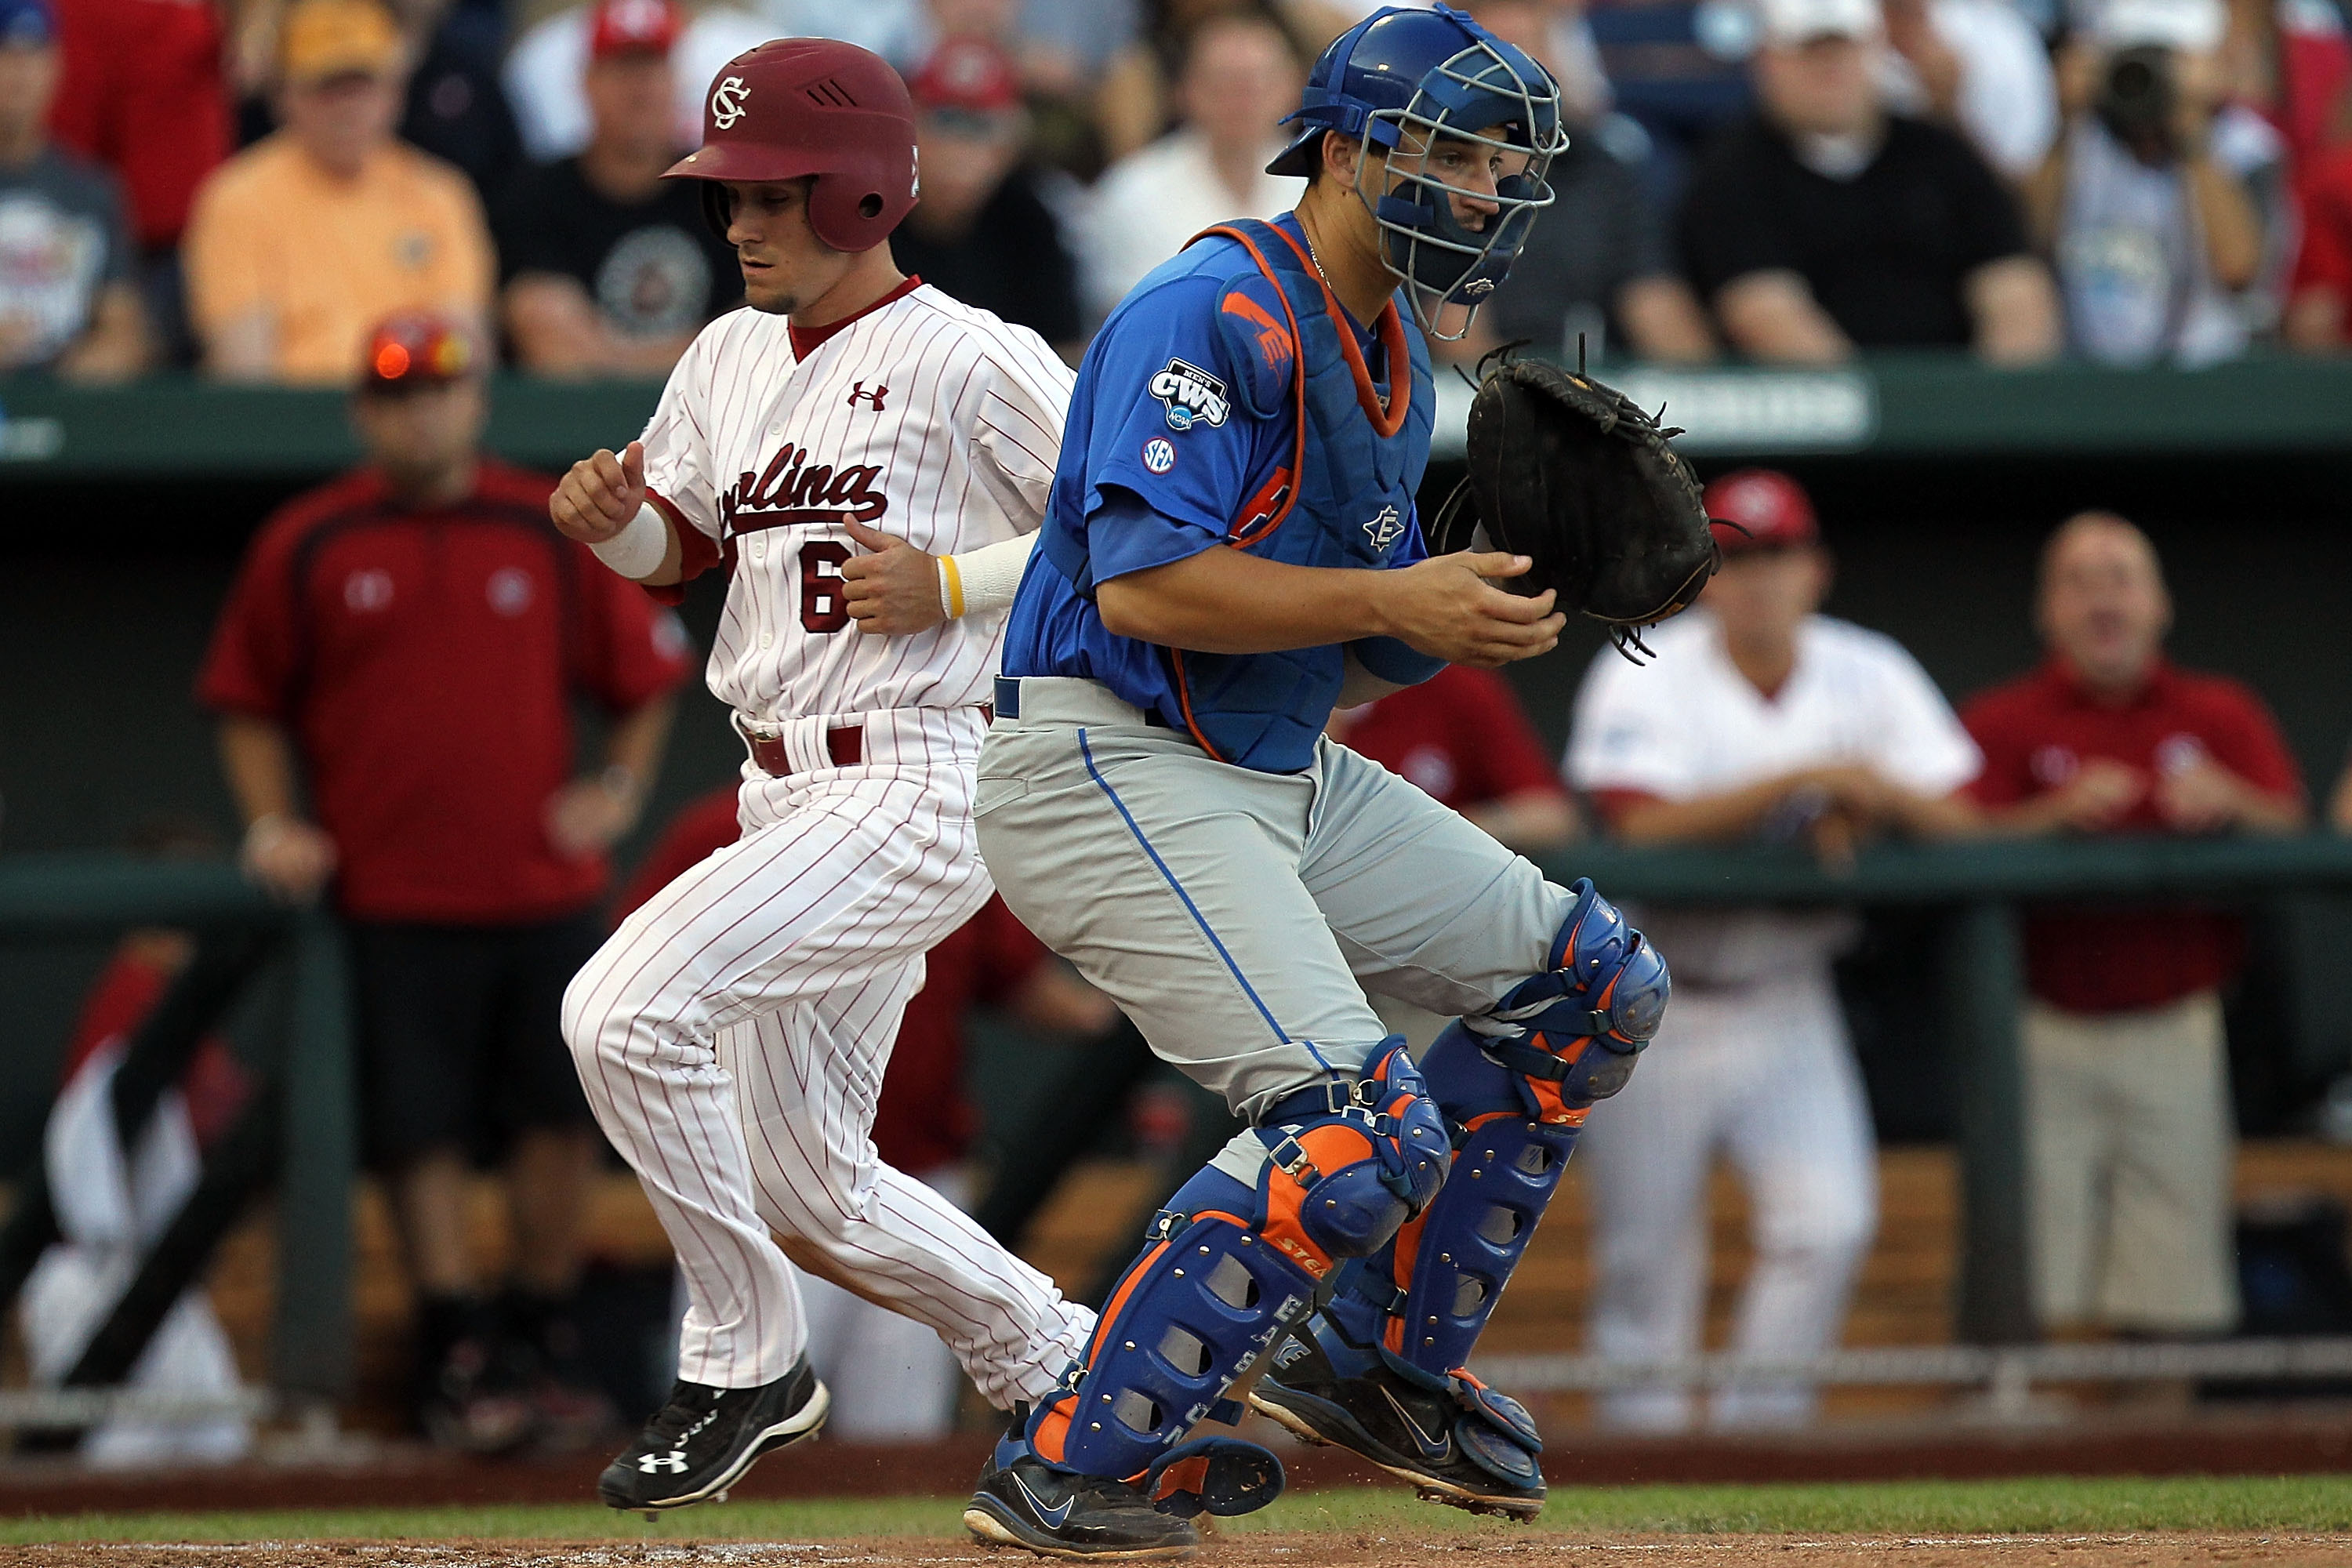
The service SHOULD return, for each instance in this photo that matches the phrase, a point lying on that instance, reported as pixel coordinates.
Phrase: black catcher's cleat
(1456, 1441)
(702, 1441)
(1024, 1502)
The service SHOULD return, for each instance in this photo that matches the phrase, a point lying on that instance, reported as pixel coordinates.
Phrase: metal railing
(1981, 885)
(301, 1126)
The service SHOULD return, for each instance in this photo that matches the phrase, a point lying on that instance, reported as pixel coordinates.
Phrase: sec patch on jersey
(1160, 454)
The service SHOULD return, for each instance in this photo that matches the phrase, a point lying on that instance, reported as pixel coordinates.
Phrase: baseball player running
(827, 445)
(1231, 549)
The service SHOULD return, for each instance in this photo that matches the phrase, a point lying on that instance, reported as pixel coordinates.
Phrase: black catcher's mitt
(1581, 480)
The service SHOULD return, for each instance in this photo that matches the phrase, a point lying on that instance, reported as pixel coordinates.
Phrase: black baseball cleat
(1025, 1502)
(1456, 1441)
(702, 1441)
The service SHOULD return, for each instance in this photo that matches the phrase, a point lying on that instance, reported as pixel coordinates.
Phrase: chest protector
(1344, 497)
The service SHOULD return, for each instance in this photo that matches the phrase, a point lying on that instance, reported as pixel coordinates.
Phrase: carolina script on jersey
(790, 490)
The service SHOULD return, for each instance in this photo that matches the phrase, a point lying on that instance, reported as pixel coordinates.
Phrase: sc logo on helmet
(726, 102)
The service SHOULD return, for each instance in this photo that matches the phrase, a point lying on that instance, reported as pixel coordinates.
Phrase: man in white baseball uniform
(870, 459)
(1761, 718)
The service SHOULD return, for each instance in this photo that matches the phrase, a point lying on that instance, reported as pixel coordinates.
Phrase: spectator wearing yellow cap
(299, 243)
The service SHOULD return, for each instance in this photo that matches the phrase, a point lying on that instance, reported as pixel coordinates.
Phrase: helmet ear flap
(718, 206)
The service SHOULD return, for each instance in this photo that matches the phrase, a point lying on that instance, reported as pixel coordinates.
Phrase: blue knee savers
(1229, 1267)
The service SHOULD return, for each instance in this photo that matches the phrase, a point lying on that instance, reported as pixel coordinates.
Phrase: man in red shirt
(2128, 1135)
(893, 1379)
(403, 646)
(1461, 736)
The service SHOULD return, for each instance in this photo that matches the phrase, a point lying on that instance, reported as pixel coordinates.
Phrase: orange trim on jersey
(1387, 421)
(1240, 532)
(1184, 702)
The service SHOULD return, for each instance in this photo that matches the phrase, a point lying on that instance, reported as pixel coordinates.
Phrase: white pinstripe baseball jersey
(924, 418)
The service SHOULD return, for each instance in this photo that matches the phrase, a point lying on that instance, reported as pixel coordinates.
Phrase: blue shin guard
(1231, 1266)
(1515, 1086)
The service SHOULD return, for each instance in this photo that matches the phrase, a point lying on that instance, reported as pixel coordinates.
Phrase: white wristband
(982, 581)
(638, 551)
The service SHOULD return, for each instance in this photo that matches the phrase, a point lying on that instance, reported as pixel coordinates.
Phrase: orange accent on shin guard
(1052, 1438)
(1329, 1148)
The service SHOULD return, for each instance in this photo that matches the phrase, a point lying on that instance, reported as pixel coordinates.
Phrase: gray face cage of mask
(1443, 261)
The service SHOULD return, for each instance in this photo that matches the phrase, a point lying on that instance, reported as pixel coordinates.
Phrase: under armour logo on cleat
(858, 393)
(673, 1462)
(1051, 1517)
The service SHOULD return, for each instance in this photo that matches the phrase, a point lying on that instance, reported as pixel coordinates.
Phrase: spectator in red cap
(981, 234)
(2129, 1131)
(611, 270)
(394, 672)
(1760, 720)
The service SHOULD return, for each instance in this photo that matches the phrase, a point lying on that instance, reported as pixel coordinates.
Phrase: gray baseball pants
(1239, 917)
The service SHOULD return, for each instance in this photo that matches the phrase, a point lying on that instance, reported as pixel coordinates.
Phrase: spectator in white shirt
(546, 70)
(1240, 79)
(1979, 65)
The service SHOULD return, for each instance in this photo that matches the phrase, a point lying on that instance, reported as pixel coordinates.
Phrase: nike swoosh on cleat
(1053, 1517)
(1432, 1449)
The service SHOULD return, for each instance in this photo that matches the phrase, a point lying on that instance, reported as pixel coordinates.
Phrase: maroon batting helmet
(793, 107)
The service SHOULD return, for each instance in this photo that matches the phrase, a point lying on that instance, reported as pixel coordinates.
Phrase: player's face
(1471, 168)
(2104, 608)
(1761, 596)
(785, 265)
(418, 434)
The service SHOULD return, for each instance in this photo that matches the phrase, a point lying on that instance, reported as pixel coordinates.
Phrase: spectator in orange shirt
(301, 243)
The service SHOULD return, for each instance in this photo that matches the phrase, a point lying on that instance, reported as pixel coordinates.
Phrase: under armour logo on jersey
(858, 395)
(726, 102)
(673, 1462)
(1384, 528)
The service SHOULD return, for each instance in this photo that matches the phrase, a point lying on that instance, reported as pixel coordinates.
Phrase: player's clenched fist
(596, 500)
(1447, 608)
(893, 590)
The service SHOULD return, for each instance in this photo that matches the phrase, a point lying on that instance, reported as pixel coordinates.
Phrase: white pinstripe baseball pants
(732, 1036)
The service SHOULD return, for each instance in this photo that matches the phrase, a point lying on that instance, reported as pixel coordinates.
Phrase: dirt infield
(1340, 1550)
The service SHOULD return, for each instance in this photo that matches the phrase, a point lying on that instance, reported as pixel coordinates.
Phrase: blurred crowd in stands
(244, 186)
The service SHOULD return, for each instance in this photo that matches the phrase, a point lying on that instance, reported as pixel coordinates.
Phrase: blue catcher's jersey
(1185, 435)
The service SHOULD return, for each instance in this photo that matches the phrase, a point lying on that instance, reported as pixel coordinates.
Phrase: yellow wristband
(951, 586)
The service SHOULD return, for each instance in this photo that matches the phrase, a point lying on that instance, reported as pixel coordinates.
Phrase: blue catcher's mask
(1438, 97)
